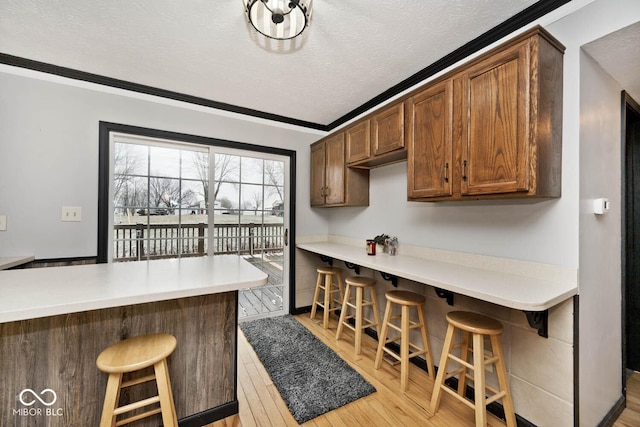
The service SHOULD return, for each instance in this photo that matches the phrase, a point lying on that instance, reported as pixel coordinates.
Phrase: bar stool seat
(406, 300)
(326, 284)
(131, 355)
(475, 326)
(358, 303)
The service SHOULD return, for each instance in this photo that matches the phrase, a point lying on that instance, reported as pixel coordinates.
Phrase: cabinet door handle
(464, 170)
(446, 172)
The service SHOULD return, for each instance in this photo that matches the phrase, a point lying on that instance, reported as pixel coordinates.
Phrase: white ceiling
(353, 51)
(619, 54)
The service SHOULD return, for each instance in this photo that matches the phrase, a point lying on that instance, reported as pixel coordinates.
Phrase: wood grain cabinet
(377, 140)
(492, 129)
(332, 182)
(429, 132)
(358, 140)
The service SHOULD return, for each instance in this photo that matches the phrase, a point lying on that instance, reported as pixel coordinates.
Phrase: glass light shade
(279, 19)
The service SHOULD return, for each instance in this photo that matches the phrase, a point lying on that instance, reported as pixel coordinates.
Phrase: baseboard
(300, 310)
(210, 415)
(613, 414)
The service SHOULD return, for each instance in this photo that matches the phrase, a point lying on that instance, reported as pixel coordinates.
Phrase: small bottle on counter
(393, 246)
(371, 247)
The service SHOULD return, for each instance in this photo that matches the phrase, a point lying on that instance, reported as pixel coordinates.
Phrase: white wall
(594, 122)
(534, 231)
(49, 156)
(600, 359)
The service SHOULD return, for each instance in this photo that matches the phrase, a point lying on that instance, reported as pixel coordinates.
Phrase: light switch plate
(71, 214)
(3, 223)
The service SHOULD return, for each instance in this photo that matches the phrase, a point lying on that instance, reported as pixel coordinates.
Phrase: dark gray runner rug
(311, 378)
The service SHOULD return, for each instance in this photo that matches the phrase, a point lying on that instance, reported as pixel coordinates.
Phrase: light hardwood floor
(262, 406)
(630, 417)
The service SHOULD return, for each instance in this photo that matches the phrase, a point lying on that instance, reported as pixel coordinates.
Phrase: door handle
(286, 237)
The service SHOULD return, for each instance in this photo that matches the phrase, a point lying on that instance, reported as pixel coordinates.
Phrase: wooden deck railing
(154, 241)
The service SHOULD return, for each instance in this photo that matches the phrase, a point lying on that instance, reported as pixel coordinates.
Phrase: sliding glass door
(251, 219)
(174, 199)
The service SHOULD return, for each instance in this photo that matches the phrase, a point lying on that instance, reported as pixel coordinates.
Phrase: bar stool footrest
(134, 418)
(462, 399)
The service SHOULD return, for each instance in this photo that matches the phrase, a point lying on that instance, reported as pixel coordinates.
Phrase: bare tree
(224, 166)
(201, 164)
(225, 169)
(163, 191)
(124, 167)
(274, 176)
(254, 201)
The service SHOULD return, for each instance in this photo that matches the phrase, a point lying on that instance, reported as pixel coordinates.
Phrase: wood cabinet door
(335, 170)
(495, 143)
(358, 142)
(318, 168)
(387, 130)
(429, 141)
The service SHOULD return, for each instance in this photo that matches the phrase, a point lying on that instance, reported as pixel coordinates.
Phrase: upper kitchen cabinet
(506, 126)
(429, 132)
(377, 140)
(332, 183)
(358, 142)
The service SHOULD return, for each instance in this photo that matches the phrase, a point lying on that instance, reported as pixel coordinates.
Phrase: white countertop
(12, 261)
(506, 289)
(39, 292)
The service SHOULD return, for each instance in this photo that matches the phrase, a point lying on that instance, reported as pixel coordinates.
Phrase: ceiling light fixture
(279, 19)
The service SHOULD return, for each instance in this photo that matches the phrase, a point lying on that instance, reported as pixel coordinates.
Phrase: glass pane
(227, 168)
(193, 197)
(130, 159)
(273, 172)
(164, 195)
(195, 165)
(252, 170)
(164, 162)
(251, 200)
(273, 200)
(131, 191)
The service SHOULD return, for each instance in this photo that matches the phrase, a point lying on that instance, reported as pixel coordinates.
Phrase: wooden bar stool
(405, 300)
(131, 355)
(358, 302)
(478, 327)
(330, 287)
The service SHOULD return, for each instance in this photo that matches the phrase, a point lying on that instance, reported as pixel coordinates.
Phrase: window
(160, 194)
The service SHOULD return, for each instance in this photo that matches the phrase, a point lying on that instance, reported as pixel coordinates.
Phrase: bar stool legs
(406, 300)
(360, 284)
(326, 283)
(132, 355)
(476, 327)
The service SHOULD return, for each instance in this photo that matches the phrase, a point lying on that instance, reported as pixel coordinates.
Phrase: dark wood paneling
(59, 353)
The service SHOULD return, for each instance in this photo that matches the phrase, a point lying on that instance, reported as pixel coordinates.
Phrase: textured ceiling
(619, 54)
(352, 52)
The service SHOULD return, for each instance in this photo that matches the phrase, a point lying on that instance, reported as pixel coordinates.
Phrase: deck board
(268, 298)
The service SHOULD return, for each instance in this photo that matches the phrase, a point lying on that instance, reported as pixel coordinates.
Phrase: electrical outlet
(71, 214)
(3, 223)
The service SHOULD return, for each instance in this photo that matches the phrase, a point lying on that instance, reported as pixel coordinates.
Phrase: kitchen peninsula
(55, 321)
